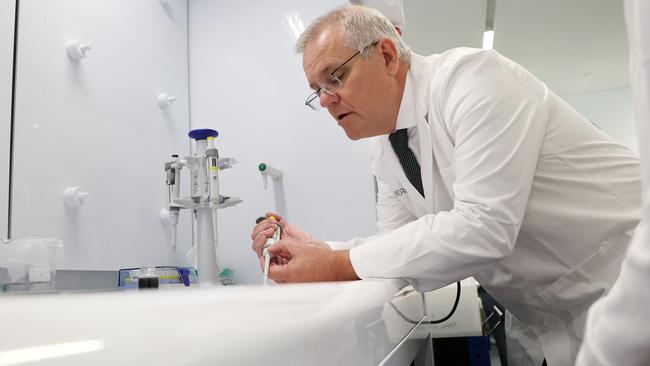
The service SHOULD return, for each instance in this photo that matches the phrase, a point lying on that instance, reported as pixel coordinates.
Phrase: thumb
(282, 248)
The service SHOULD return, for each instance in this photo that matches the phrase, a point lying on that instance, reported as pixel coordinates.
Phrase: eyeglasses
(332, 85)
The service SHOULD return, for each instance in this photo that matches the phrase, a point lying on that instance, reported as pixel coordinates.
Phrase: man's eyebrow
(329, 67)
(323, 72)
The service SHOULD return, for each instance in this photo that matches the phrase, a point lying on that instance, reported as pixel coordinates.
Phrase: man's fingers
(263, 227)
(280, 256)
(258, 244)
(277, 217)
(278, 273)
(275, 261)
(260, 240)
(280, 249)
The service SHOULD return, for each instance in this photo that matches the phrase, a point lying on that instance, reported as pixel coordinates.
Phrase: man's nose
(327, 99)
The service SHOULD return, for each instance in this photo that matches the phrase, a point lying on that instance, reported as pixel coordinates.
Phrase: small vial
(148, 278)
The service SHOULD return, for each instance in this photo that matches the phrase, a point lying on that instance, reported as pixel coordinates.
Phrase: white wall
(247, 82)
(611, 110)
(96, 123)
(7, 17)
(576, 46)
(434, 26)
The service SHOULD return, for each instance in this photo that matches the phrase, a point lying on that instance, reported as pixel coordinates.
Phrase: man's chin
(358, 135)
(353, 135)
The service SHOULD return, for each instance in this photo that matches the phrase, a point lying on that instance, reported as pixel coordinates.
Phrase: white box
(466, 321)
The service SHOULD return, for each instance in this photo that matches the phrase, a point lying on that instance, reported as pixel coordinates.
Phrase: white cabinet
(95, 122)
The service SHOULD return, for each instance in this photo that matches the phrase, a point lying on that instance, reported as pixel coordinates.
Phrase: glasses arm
(346, 61)
(353, 56)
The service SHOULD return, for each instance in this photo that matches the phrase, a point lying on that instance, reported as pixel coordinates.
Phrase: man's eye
(333, 80)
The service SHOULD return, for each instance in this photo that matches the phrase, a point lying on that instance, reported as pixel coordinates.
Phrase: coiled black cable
(437, 321)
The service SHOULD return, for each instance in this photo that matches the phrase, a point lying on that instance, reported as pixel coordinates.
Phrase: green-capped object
(226, 273)
(261, 167)
(226, 277)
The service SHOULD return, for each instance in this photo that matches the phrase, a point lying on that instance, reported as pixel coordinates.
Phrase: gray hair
(360, 26)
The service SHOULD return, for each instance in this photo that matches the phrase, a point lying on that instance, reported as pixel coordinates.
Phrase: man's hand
(266, 228)
(298, 262)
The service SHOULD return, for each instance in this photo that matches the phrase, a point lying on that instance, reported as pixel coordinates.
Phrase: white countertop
(346, 323)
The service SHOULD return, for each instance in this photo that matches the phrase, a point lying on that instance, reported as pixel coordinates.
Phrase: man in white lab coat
(481, 170)
(617, 333)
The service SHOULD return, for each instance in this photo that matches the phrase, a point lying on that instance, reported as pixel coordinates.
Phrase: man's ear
(390, 55)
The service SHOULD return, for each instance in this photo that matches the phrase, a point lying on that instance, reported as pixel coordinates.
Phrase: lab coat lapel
(433, 148)
(426, 163)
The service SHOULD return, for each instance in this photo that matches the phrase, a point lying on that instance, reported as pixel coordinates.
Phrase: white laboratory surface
(346, 323)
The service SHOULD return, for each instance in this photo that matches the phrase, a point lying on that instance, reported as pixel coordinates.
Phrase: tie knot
(400, 142)
(399, 137)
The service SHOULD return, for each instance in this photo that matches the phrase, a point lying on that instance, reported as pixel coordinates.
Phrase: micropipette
(269, 242)
(173, 169)
(212, 174)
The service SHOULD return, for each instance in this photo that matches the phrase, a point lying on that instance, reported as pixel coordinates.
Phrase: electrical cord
(437, 321)
(453, 308)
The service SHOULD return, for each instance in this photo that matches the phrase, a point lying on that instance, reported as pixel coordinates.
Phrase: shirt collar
(406, 117)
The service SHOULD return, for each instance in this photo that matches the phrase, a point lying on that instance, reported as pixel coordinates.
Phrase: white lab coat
(617, 333)
(521, 192)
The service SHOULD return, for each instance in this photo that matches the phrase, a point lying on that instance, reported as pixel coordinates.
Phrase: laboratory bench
(347, 323)
(370, 322)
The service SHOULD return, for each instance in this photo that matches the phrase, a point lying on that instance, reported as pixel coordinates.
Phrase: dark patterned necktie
(399, 140)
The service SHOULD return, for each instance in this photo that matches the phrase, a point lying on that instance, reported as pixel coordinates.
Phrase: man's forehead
(323, 52)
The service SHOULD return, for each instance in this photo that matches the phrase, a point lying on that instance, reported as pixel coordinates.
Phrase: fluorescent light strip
(295, 24)
(31, 354)
(488, 39)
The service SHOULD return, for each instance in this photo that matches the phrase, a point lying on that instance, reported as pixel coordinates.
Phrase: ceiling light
(488, 39)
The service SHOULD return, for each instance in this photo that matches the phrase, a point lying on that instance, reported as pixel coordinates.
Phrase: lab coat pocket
(571, 295)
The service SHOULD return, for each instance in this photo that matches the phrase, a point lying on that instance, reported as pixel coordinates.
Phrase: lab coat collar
(406, 115)
(412, 114)
(420, 75)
